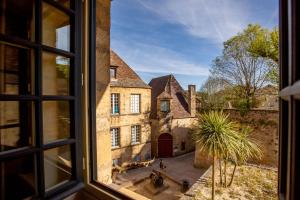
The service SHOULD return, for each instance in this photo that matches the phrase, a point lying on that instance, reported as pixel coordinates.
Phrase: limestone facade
(125, 84)
(178, 121)
(103, 152)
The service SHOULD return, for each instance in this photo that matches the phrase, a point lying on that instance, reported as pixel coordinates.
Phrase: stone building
(173, 114)
(130, 110)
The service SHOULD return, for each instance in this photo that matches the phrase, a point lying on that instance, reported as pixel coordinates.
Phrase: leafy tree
(266, 45)
(216, 135)
(240, 67)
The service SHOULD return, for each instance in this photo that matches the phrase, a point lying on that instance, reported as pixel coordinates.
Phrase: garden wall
(265, 133)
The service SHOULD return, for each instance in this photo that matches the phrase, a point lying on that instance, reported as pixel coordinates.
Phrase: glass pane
(56, 73)
(57, 165)
(17, 18)
(56, 28)
(56, 120)
(17, 178)
(16, 124)
(16, 70)
(65, 3)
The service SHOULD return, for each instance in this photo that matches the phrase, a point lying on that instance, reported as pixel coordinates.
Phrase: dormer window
(165, 105)
(113, 73)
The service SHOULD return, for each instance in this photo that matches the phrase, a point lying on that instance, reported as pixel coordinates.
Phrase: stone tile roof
(168, 87)
(125, 76)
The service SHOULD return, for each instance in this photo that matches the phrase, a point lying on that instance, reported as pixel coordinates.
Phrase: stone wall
(180, 129)
(104, 163)
(265, 132)
(127, 152)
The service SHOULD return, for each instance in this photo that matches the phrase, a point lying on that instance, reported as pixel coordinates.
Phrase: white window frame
(115, 137)
(115, 101)
(135, 103)
(136, 134)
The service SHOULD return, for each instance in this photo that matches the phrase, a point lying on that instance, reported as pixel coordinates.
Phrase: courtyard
(177, 169)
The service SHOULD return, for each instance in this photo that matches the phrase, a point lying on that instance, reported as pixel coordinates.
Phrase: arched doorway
(165, 145)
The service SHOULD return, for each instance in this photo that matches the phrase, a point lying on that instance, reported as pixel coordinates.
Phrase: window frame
(113, 103)
(115, 73)
(132, 103)
(118, 137)
(289, 107)
(168, 103)
(74, 98)
(139, 134)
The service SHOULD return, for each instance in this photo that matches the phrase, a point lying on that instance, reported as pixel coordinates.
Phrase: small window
(165, 106)
(115, 137)
(135, 134)
(135, 103)
(113, 73)
(115, 104)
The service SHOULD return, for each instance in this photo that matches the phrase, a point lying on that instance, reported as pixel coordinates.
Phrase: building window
(115, 137)
(115, 108)
(113, 73)
(135, 103)
(135, 134)
(165, 106)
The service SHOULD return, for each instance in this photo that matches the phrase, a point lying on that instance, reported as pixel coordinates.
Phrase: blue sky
(182, 37)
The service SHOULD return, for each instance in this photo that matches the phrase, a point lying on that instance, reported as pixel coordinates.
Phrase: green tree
(216, 135)
(241, 65)
(266, 45)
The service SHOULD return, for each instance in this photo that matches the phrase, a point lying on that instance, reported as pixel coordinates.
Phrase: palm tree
(216, 135)
(248, 149)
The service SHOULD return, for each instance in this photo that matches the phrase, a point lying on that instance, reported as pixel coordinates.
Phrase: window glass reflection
(56, 120)
(56, 28)
(17, 18)
(56, 73)
(58, 165)
(16, 124)
(16, 70)
(17, 178)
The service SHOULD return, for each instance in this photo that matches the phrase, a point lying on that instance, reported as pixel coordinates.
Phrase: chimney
(192, 100)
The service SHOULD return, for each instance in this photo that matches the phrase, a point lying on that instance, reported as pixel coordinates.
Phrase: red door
(165, 145)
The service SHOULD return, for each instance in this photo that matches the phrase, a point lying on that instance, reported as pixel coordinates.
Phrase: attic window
(164, 105)
(113, 73)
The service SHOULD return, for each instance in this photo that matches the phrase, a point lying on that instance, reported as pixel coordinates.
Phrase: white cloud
(154, 59)
(216, 20)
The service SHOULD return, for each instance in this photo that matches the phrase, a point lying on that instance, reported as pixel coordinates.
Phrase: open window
(40, 98)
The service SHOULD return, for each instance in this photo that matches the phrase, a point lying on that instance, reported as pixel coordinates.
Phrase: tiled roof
(168, 86)
(125, 77)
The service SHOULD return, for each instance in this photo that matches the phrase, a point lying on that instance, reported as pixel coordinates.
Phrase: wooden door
(165, 145)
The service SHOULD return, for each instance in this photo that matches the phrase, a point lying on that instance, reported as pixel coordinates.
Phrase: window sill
(135, 143)
(135, 113)
(114, 148)
(111, 192)
(115, 114)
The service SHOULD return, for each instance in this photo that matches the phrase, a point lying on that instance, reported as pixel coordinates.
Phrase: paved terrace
(178, 168)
